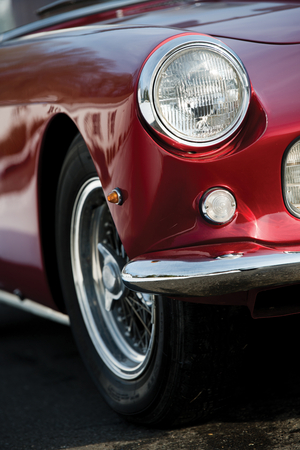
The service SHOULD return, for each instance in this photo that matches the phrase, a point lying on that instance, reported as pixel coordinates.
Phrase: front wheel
(155, 360)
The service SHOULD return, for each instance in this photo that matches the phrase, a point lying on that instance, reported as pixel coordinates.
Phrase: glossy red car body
(57, 82)
(73, 127)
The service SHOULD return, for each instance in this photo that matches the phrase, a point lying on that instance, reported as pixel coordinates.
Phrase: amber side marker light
(115, 197)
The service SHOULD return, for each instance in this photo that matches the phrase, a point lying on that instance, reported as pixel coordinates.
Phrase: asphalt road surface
(47, 400)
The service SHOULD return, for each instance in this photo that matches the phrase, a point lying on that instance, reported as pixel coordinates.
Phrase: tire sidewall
(129, 397)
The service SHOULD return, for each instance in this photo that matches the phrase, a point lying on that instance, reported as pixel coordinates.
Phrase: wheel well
(57, 139)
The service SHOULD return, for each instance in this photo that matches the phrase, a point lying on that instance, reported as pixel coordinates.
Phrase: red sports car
(150, 185)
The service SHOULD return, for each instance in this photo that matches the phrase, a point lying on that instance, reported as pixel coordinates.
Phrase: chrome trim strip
(34, 308)
(212, 276)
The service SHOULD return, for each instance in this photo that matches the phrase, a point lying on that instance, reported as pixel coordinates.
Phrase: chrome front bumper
(203, 271)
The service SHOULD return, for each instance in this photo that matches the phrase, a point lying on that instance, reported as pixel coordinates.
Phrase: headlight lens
(196, 92)
(292, 179)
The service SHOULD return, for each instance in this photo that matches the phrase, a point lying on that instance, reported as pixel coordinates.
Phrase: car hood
(266, 22)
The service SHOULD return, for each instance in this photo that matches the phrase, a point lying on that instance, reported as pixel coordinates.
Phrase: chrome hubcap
(111, 277)
(121, 323)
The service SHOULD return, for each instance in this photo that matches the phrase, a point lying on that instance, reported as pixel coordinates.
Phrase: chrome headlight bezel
(155, 63)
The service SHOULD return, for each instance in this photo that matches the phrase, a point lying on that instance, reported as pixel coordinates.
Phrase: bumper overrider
(211, 271)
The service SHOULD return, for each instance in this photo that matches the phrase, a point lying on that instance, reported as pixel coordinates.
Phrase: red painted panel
(268, 22)
(92, 76)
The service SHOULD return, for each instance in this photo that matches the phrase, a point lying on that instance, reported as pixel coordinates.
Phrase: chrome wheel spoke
(139, 304)
(139, 317)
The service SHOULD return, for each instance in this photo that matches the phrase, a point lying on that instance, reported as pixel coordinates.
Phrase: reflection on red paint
(161, 189)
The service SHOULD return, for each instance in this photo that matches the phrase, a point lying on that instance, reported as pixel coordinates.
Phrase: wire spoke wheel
(156, 360)
(121, 323)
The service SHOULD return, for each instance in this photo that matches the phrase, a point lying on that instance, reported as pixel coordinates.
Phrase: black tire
(180, 371)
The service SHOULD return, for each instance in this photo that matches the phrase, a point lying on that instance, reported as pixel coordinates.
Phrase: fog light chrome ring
(218, 205)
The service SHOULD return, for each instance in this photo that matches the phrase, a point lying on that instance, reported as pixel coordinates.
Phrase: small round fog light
(218, 205)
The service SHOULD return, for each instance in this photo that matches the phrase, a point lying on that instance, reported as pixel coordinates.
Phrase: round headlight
(194, 90)
(291, 179)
